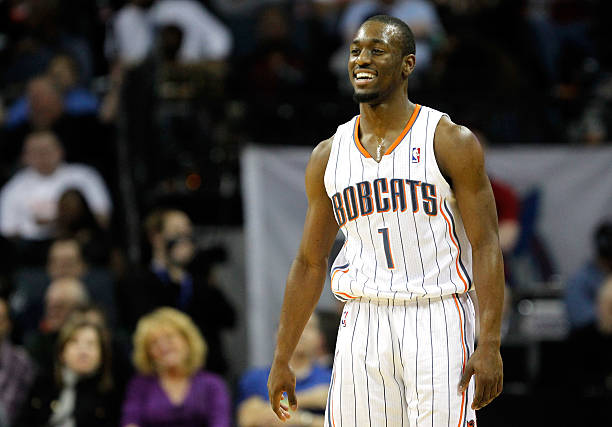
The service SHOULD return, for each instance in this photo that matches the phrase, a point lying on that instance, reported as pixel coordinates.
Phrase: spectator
(75, 100)
(42, 28)
(172, 389)
(81, 393)
(507, 204)
(28, 202)
(16, 371)
(75, 220)
(64, 261)
(312, 384)
(178, 277)
(559, 28)
(119, 342)
(131, 36)
(48, 112)
(589, 348)
(582, 289)
(44, 101)
(205, 37)
(62, 297)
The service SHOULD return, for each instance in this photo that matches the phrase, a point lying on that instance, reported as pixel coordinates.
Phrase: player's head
(381, 57)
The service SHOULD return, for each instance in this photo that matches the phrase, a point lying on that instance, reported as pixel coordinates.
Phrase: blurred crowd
(168, 91)
(121, 125)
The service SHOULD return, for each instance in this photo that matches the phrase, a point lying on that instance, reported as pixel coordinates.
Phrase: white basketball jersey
(404, 235)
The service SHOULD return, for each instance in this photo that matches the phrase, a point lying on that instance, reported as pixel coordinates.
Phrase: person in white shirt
(130, 37)
(28, 201)
(206, 38)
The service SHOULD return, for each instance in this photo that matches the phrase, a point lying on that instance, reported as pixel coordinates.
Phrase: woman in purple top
(171, 389)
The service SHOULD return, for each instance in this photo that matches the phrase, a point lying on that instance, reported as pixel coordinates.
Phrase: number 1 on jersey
(387, 246)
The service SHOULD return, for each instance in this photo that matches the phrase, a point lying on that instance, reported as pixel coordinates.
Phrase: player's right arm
(305, 280)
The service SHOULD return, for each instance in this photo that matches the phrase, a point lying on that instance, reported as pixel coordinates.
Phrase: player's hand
(486, 365)
(282, 379)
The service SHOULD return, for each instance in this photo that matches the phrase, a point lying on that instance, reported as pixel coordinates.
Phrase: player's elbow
(310, 263)
(487, 244)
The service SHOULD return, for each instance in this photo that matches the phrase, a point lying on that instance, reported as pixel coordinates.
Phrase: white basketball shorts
(399, 364)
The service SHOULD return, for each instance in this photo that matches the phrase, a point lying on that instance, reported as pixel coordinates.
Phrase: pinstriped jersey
(404, 237)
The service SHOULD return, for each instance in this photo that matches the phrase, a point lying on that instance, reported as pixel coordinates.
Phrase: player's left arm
(461, 158)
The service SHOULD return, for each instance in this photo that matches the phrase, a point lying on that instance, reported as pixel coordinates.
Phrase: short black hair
(405, 33)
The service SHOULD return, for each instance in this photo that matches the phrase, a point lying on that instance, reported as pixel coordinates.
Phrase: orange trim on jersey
(450, 233)
(331, 400)
(464, 356)
(413, 117)
(331, 285)
(358, 142)
(333, 275)
(345, 295)
(399, 139)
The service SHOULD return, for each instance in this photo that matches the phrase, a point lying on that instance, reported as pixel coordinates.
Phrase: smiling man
(408, 189)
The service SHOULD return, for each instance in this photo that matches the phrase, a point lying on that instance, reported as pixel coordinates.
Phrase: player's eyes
(354, 51)
(378, 51)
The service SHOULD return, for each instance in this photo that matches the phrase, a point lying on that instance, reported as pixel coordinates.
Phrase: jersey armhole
(326, 178)
(435, 165)
(336, 140)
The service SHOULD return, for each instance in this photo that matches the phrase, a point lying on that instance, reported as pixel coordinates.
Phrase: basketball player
(408, 189)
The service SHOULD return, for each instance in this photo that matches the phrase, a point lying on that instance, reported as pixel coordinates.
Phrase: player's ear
(408, 64)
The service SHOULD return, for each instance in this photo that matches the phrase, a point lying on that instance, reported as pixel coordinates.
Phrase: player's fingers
(493, 390)
(490, 391)
(275, 398)
(286, 414)
(487, 394)
(465, 378)
(479, 391)
(500, 386)
(292, 398)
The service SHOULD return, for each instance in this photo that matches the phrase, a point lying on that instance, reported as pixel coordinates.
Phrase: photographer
(179, 276)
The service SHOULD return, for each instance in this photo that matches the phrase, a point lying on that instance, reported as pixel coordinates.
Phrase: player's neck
(379, 118)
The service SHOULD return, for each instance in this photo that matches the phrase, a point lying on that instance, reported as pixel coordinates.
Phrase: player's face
(375, 62)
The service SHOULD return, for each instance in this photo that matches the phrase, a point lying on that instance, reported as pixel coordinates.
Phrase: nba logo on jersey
(416, 155)
(344, 315)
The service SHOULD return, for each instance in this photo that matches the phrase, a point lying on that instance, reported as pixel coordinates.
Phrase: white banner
(574, 185)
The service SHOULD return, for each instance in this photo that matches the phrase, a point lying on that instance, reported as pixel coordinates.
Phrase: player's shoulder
(456, 145)
(456, 135)
(322, 150)
(315, 170)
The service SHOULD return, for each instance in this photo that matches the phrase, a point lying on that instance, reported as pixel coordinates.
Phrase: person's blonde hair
(168, 317)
